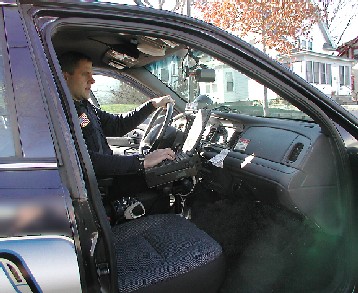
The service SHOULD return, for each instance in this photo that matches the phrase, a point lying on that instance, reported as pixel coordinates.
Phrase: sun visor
(151, 50)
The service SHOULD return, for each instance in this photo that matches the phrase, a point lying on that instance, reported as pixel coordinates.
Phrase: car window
(7, 146)
(197, 74)
(116, 96)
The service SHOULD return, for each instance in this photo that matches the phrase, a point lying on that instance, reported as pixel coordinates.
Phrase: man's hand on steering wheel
(162, 101)
(157, 156)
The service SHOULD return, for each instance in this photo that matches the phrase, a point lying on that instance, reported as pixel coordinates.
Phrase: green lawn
(118, 108)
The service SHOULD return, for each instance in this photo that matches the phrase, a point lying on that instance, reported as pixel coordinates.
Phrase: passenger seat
(167, 253)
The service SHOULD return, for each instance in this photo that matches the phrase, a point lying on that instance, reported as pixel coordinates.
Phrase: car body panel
(34, 203)
(43, 258)
(32, 120)
(39, 197)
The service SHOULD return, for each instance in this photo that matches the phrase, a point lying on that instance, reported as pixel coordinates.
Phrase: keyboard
(184, 165)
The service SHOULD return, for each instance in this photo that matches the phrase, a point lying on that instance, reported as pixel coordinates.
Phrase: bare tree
(338, 15)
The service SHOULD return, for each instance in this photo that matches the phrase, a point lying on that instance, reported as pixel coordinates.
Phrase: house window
(229, 82)
(309, 46)
(355, 53)
(214, 88)
(326, 74)
(303, 44)
(344, 75)
(329, 73)
(323, 72)
(315, 72)
(309, 71)
(319, 73)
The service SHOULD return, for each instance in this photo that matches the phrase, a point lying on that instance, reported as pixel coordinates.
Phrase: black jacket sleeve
(119, 125)
(113, 165)
(106, 164)
(98, 125)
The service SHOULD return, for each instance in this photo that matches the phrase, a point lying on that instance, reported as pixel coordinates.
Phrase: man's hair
(70, 60)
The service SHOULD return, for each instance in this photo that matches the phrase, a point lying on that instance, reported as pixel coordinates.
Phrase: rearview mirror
(205, 75)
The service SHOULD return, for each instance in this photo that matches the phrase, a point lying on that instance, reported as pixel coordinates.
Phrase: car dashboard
(277, 161)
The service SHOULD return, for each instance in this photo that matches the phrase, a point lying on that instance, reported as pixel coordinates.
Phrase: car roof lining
(96, 42)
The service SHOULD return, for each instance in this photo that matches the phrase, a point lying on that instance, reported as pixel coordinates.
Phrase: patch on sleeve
(84, 121)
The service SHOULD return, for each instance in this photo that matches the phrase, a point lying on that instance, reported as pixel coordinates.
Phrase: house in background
(316, 60)
(350, 50)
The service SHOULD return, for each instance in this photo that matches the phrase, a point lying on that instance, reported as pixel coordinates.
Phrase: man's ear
(65, 75)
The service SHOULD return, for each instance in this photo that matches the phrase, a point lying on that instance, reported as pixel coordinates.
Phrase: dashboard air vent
(295, 152)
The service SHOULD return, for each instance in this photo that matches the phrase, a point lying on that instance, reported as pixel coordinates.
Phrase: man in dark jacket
(97, 124)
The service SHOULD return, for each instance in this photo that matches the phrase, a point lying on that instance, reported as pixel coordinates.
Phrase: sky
(351, 32)
(340, 23)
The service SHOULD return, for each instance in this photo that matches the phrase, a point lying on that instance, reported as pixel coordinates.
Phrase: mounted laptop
(187, 161)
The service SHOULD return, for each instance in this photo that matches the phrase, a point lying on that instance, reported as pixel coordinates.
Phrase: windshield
(199, 78)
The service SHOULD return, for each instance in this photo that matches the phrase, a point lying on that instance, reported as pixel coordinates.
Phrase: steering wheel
(145, 145)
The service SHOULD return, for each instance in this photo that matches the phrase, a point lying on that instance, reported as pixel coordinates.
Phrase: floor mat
(268, 248)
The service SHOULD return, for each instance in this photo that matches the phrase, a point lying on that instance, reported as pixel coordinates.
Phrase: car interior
(252, 205)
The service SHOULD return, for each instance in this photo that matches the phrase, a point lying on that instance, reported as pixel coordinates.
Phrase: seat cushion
(157, 248)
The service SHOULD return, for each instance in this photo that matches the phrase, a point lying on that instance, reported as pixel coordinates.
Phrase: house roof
(303, 54)
(343, 49)
(329, 45)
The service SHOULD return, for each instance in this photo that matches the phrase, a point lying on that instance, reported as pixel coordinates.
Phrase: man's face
(81, 80)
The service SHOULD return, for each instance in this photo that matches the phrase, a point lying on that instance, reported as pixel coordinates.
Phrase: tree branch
(347, 25)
